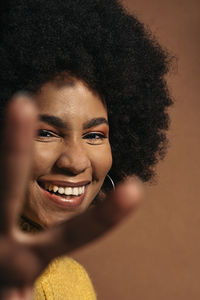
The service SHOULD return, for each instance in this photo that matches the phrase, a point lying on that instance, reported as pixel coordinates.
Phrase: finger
(15, 157)
(19, 266)
(17, 294)
(92, 224)
(122, 202)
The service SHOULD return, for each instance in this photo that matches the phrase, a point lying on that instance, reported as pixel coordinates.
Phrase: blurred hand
(24, 256)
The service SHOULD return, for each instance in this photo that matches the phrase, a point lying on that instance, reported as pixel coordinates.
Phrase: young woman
(97, 99)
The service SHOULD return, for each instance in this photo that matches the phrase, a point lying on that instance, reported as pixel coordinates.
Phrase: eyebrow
(58, 122)
(53, 120)
(94, 122)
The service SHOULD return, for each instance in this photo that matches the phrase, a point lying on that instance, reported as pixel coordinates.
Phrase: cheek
(43, 158)
(101, 158)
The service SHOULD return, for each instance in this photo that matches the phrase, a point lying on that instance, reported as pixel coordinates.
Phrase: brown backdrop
(155, 254)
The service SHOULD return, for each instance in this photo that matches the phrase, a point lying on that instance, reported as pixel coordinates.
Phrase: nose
(73, 159)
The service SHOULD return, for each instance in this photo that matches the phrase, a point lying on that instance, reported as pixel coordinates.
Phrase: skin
(74, 152)
(24, 256)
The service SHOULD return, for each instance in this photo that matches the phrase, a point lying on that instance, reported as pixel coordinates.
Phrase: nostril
(72, 164)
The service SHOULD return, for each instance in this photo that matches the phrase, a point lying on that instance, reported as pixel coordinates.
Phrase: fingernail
(132, 187)
(23, 93)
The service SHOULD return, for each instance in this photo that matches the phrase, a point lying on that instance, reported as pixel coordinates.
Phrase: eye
(46, 135)
(95, 137)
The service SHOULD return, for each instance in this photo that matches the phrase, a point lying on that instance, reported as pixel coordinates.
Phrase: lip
(62, 201)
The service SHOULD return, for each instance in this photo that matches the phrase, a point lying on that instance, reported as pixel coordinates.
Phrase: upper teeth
(75, 191)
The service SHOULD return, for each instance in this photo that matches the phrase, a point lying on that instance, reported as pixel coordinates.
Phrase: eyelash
(93, 135)
(90, 136)
(48, 132)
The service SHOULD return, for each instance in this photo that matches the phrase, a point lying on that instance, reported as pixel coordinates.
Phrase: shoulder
(64, 279)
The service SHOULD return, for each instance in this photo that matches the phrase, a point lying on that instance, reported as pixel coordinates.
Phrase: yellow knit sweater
(64, 279)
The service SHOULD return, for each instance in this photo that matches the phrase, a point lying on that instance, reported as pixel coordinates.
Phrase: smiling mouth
(64, 191)
(66, 196)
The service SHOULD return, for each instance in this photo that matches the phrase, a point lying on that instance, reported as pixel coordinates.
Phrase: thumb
(122, 201)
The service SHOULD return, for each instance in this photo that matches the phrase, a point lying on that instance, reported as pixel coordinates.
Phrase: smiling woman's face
(72, 152)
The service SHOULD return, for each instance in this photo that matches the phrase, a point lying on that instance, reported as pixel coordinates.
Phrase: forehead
(70, 99)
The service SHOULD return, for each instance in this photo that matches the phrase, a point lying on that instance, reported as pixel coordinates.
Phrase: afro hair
(99, 42)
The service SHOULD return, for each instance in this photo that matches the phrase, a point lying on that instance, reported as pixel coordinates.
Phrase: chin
(48, 209)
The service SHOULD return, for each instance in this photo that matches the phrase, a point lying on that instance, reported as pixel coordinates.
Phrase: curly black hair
(99, 42)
